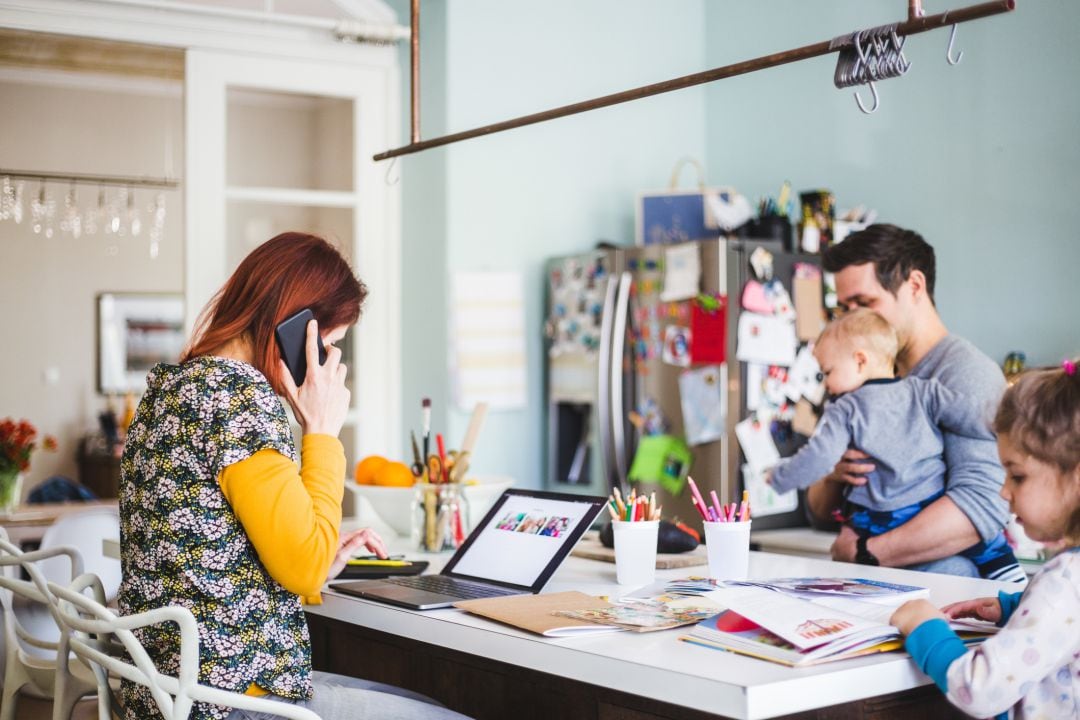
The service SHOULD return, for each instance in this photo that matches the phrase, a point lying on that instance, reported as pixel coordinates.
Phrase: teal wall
(977, 157)
(512, 200)
(980, 158)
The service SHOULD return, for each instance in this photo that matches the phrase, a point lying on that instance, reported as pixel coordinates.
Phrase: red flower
(17, 444)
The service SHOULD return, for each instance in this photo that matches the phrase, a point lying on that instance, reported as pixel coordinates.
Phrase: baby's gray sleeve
(817, 457)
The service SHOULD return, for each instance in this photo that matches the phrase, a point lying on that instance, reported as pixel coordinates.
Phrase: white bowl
(391, 507)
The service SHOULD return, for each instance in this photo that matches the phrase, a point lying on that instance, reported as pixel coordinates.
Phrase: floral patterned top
(181, 543)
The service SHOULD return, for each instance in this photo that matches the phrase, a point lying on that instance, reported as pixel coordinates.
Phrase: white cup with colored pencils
(727, 534)
(635, 524)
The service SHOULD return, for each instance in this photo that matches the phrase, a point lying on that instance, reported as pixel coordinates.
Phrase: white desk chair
(91, 623)
(85, 530)
(36, 666)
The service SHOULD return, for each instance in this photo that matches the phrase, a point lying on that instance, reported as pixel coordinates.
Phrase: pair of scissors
(417, 466)
(435, 470)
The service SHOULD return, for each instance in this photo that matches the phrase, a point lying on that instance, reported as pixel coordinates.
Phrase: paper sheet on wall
(682, 272)
(763, 499)
(757, 444)
(809, 307)
(755, 383)
(702, 392)
(766, 339)
(488, 339)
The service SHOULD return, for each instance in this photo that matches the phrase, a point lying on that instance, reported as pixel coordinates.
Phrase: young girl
(1031, 668)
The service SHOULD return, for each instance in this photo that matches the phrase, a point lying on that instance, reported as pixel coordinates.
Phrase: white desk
(650, 668)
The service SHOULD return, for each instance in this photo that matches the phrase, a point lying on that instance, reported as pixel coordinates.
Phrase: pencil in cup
(637, 508)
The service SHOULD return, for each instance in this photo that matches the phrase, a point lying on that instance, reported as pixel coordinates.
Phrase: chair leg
(10, 698)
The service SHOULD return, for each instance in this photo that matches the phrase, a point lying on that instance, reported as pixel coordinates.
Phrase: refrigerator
(607, 328)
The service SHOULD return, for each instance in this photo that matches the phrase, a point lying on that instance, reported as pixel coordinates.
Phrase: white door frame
(376, 247)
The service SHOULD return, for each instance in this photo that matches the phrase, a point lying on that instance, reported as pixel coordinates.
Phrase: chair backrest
(91, 623)
(85, 530)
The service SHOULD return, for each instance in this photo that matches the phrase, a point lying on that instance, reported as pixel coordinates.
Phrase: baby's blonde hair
(863, 329)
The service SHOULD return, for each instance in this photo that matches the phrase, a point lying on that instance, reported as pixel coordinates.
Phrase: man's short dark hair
(894, 251)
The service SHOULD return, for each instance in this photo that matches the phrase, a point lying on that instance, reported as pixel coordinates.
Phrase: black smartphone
(291, 334)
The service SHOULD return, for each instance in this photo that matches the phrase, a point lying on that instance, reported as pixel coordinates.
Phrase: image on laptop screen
(522, 537)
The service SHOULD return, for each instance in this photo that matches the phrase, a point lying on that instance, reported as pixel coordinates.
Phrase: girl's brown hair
(1040, 414)
(287, 273)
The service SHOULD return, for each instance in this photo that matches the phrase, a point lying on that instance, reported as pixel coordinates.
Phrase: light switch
(51, 375)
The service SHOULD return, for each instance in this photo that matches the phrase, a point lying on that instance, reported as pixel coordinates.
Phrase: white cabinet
(279, 144)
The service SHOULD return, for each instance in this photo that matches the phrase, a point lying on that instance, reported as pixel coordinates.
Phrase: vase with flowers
(18, 440)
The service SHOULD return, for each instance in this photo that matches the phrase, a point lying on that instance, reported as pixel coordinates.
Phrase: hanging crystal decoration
(37, 211)
(113, 225)
(71, 223)
(134, 217)
(7, 198)
(17, 208)
(157, 224)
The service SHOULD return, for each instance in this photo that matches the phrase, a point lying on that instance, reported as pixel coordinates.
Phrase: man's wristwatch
(863, 556)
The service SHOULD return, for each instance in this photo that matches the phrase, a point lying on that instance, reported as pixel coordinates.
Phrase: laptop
(514, 550)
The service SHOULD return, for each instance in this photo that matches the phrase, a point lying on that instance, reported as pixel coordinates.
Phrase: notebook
(514, 550)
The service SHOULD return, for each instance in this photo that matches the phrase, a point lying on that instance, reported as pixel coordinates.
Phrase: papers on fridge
(766, 339)
(757, 444)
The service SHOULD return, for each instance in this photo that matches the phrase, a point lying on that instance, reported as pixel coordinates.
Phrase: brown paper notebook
(533, 612)
(590, 548)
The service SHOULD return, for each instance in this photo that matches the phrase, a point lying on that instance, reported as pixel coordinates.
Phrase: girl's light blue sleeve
(1008, 601)
(934, 647)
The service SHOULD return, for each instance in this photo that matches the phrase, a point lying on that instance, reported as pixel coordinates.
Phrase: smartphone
(291, 334)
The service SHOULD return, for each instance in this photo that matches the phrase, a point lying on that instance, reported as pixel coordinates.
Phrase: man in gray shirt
(892, 271)
(898, 422)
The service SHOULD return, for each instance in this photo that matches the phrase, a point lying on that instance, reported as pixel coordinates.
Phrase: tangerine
(367, 468)
(394, 474)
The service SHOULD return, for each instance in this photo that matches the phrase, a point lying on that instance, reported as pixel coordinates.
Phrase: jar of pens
(635, 524)
(727, 534)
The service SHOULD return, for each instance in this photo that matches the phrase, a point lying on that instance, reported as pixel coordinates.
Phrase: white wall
(48, 286)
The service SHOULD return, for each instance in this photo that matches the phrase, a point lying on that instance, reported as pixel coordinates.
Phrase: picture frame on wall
(136, 331)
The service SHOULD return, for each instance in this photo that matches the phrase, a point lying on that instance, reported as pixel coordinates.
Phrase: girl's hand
(986, 608)
(353, 541)
(322, 402)
(912, 614)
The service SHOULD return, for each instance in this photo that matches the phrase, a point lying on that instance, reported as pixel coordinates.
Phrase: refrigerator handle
(618, 348)
(603, 385)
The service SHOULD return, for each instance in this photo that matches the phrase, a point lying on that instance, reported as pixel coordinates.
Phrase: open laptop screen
(524, 537)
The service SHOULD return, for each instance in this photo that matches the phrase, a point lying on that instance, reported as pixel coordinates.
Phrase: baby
(896, 421)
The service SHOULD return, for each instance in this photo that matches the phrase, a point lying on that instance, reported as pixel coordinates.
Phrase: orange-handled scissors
(434, 469)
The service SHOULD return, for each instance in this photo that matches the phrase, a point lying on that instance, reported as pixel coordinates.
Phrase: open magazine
(794, 631)
(812, 588)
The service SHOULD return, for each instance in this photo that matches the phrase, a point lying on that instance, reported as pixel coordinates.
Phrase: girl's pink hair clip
(1069, 367)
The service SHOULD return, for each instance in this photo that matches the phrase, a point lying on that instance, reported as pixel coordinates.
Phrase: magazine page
(877, 591)
(802, 623)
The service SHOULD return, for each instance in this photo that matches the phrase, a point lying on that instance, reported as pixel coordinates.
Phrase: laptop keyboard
(453, 587)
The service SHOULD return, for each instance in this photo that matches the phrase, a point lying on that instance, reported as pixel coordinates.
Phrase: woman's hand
(322, 402)
(353, 541)
(984, 608)
(914, 613)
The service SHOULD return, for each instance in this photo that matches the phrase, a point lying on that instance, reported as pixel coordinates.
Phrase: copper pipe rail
(414, 65)
(913, 26)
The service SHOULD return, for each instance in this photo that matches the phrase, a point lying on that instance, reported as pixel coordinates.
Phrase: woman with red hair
(215, 513)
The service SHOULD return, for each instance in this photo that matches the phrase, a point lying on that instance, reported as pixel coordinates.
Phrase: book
(795, 631)
(875, 591)
(647, 614)
(534, 613)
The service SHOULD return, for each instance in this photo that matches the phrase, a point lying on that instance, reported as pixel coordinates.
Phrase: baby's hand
(986, 608)
(912, 614)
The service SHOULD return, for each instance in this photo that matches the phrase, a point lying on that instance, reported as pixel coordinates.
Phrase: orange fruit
(367, 468)
(394, 474)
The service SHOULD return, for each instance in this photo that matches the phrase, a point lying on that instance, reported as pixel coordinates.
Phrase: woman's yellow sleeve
(292, 518)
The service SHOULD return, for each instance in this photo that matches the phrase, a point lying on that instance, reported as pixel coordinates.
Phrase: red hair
(284, 275)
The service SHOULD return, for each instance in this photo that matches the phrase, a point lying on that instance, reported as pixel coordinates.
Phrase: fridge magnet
(754, 298)
(806, 378)
(761, 262)
(682, 272)
(757, 444)
(809, 303)
(677, 345)
(664, 460)
(701, 392)
(763, 498)
(780, 300)
(708, 327)
(766, 339)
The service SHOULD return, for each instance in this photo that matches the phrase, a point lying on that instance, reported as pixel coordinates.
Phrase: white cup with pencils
(635, 524)
(727, 534)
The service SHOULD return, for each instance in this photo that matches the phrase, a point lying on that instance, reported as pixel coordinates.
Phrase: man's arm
(940, 530)
(828, 493)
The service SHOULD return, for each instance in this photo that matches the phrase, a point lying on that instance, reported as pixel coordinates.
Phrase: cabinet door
(285, 144)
